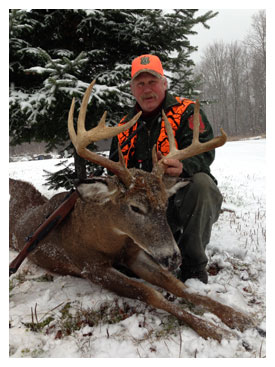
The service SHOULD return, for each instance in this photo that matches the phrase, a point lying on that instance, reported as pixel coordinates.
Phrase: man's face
(149, 91)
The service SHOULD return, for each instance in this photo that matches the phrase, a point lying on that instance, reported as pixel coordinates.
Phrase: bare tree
(248, 124)
(256, 40)
(256, 45)
(215, 83)
(235, 75)
(233, 81)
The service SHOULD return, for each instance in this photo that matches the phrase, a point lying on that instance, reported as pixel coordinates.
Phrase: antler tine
(83, 108)
(169, 130)
(71, 129)
(81, 118)
(196, 147)
(83, 138)
(196, 122)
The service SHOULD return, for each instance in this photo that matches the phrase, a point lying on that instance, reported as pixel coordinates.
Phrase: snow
(237, 248)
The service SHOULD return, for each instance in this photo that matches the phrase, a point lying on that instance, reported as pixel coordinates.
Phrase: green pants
(191, 213)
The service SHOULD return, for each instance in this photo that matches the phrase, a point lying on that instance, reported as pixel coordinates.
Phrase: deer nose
(171, 262)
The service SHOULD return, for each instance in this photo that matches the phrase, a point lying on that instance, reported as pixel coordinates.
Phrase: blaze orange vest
(173, 115)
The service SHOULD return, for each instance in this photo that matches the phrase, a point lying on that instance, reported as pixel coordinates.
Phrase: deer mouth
(171, 263)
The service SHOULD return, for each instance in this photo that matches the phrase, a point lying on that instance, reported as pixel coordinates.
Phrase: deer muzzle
(171, 262)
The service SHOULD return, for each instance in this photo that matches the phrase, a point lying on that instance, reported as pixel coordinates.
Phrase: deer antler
(83, 138)
(196, 147)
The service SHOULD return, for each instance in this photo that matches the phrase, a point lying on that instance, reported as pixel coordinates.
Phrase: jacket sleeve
(184, 136)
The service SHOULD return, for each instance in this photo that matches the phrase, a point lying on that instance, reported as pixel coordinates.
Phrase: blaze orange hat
(147, 63)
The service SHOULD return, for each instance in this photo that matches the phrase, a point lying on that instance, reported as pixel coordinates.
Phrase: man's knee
(200, 197)
(204, 189)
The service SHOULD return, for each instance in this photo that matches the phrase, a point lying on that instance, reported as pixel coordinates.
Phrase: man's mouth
(148, 98)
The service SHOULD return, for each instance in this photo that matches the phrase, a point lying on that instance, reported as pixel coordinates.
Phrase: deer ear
(172, 185)
(98, 191)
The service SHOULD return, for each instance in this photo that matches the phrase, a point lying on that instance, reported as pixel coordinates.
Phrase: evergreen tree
(55, 54)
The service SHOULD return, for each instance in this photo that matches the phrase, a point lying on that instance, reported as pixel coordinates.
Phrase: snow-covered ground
(61, 316)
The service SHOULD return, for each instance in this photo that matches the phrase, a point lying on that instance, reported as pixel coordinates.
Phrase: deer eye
(136, 209)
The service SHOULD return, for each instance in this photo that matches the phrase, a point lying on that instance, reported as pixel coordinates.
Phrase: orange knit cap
(147, 63)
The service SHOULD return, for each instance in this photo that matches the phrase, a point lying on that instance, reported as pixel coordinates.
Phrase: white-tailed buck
(119, 219)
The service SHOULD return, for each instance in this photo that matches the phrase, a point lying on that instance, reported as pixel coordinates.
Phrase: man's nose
(147, 88)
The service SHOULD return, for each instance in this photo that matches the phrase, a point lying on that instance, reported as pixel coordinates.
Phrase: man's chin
(149, 106)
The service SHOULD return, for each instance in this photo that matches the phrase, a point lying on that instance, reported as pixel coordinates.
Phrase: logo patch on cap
(145, 60)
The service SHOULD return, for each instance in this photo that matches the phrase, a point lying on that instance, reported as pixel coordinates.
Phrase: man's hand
(173, 167)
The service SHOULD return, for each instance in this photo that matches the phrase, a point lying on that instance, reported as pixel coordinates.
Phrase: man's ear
(132, 87)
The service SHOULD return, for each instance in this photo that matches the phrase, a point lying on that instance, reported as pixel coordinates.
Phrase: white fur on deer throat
(119, 232)
(172, 190)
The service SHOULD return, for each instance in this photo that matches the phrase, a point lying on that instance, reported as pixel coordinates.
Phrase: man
(195, 207)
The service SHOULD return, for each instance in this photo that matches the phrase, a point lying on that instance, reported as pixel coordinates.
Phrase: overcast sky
(229, 25)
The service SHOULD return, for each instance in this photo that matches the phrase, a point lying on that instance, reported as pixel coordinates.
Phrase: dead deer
(120, 219)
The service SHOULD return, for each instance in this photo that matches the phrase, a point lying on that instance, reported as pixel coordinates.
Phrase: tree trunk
(80, 167)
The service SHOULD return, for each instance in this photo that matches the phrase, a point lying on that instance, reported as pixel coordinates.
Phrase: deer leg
(146, 268)
(120, 284)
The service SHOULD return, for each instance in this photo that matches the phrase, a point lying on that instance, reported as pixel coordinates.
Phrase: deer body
(119, 219)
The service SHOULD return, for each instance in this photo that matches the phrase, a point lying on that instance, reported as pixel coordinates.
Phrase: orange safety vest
(173, 115)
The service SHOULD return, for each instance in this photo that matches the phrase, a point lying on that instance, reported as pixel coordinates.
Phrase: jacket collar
(169, 101)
